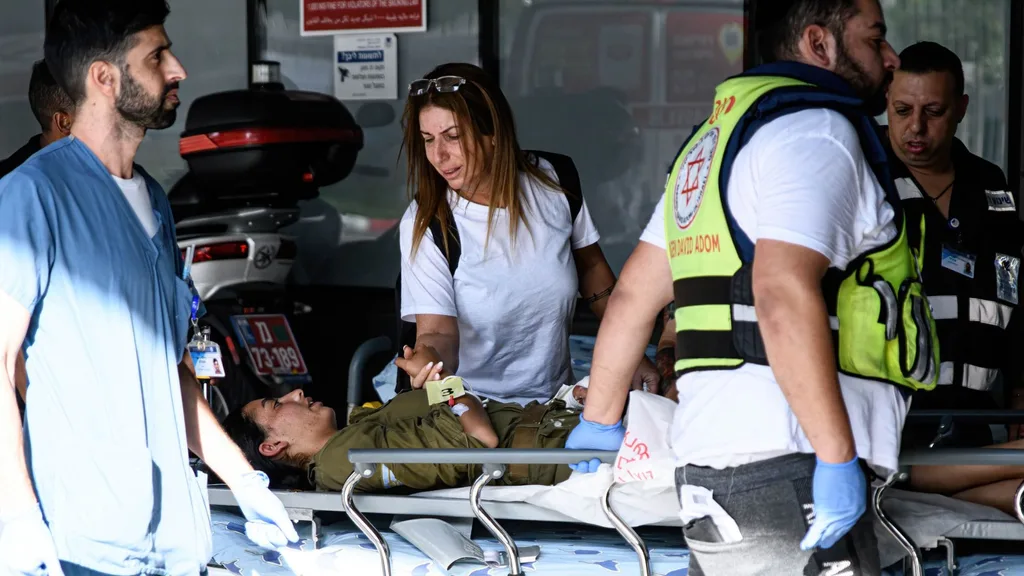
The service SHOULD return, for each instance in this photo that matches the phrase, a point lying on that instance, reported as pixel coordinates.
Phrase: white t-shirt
(801, 179)
(514, 306)
(137, 193)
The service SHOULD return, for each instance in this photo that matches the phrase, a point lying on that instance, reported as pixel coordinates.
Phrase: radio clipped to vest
(881, 323)
(887, 281)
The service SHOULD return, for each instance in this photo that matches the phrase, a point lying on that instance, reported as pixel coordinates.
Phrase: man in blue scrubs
(92, 291)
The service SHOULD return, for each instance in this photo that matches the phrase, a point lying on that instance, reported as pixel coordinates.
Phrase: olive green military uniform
(409, 422)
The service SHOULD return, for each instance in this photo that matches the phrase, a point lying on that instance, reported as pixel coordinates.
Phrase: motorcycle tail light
(220, 251)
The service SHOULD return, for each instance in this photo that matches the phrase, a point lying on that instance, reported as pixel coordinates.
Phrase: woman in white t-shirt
(502, 322)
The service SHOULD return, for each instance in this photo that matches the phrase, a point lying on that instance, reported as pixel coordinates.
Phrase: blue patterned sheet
(977, 565)
(566, 550)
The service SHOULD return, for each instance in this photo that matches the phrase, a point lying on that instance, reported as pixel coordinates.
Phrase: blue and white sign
(366, 67)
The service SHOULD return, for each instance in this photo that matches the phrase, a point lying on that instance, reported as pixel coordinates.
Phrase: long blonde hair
(481, 111)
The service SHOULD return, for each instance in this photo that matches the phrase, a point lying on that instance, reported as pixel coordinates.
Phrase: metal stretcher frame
(943, 457)
(364, 462)
(494, 462)
(303, 505)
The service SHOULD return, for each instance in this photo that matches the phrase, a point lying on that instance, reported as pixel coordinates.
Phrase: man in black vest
(971, 244)
(51, 107)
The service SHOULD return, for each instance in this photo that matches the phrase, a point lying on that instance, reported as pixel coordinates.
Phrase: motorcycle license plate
(270, 343)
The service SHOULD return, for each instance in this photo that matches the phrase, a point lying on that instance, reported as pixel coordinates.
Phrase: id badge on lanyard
(205, 353)
(959, 261)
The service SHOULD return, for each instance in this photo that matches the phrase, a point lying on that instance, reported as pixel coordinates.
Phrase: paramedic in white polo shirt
(770, 477)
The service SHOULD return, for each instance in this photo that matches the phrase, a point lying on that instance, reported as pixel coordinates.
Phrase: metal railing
(943, 457)
(949, 457)
(494, 462)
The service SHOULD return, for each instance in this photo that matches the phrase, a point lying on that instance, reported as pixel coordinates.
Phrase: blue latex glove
(268, 524)
(26, 546)
(840, 494)
(590, 436)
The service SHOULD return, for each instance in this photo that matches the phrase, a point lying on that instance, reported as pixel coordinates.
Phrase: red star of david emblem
(692, 181)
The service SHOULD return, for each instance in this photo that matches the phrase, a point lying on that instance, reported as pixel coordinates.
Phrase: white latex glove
(26, 545)
(268, 524)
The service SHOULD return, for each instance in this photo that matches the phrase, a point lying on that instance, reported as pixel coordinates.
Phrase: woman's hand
(647, 374)
(421, 364)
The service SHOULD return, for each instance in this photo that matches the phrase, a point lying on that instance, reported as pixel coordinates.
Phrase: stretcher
(493, 460)
(304, 506)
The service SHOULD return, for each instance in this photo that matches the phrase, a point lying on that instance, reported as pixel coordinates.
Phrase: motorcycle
(253, 155)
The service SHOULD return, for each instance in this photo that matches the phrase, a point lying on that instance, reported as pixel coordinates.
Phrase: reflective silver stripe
(946, 373)
(744, 313)
(989, 312)
(924, 366)
(943, 307)
(978, 378)
(907, 189)
(891, 307)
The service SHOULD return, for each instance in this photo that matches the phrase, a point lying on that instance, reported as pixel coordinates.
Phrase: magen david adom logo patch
(692, 179)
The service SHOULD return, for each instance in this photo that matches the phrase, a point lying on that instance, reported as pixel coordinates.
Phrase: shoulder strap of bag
(568, 179)
(454, 246)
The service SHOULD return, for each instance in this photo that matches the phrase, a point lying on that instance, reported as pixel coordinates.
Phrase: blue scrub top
(104, 430)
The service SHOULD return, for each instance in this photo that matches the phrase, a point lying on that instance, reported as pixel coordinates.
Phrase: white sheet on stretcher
(926, 518)
(579, 497)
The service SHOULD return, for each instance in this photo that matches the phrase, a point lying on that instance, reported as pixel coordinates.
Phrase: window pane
(210, 41)
(342, 238)
(619, 87)
(977, 31)
(209, 38)
(21, 43)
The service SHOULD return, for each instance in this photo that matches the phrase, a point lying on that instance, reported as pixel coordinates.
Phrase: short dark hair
(45, 96)
(925, 57)
(779, 24)
(248, 435)
(81, 32)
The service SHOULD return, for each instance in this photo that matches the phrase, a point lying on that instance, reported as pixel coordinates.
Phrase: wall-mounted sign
(365, 67)
(704, 47)
(321, 17)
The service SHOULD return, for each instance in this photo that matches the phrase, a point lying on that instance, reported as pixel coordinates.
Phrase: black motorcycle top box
(269, 136)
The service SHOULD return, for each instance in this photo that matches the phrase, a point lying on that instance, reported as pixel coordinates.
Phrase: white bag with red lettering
(646, 454)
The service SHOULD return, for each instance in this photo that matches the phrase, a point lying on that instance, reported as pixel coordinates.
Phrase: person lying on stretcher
(988, 485)
(294, 433)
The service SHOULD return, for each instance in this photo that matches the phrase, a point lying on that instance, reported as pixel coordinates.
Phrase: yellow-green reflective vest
(881, 322)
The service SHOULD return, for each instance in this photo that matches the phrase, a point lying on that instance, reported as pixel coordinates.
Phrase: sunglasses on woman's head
(442, 84)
